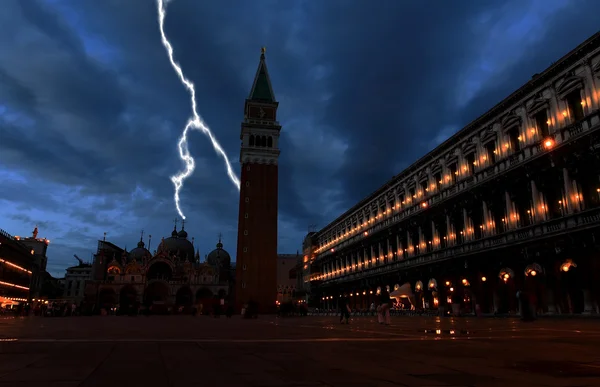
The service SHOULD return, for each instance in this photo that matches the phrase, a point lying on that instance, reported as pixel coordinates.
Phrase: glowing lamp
(548, 143)
(447, 283)
(565, 268)
(564, 113)
(483, 279)
(464, 281)
(533, 273)
(451, 289)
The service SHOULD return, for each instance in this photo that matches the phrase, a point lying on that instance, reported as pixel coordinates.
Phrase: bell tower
(256, 258)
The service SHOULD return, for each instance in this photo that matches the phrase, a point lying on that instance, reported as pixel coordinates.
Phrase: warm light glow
(533, 273)
(564, 113)
(582, 103)
(423, 205)
(15, 266)
(464, 281)
(565, 268)
(483, 279)
(13, 285)
(506, 276)
(451, 289)
(447, 283)
(548, 143)
(366, 233)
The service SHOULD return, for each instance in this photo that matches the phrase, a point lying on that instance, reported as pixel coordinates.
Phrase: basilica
(171, 279)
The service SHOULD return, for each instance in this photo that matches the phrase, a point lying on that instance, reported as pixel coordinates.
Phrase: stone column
(568, 187)
(388, 252)
(550, 300)
(588, 307)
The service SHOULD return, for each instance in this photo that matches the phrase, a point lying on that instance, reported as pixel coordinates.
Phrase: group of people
(383, 308)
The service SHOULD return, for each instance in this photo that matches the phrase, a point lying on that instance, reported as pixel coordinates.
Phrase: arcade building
(16, 270)
(511, 202)
(171, 279)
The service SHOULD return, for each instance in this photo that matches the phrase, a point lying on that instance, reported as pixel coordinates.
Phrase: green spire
(261, 88)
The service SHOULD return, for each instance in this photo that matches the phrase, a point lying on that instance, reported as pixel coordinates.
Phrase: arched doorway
(159, 271)
(157, 293)
(571, 277)
(184, 299)
(128, 301)
(204, 297)
(107, 299)
(203, 293)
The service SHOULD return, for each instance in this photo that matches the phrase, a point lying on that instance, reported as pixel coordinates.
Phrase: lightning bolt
(194, 122)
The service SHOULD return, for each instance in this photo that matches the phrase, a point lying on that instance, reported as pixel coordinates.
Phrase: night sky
(90, 108)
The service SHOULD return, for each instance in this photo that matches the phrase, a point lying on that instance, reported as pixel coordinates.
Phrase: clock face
(261, 113)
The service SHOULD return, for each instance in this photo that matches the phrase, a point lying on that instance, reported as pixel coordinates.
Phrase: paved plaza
(310, 351)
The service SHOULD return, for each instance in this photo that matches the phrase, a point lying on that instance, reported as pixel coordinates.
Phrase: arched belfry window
(263, 141)
(251, 140)
(270, 142)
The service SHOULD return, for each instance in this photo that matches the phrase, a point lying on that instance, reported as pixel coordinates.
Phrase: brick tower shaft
(256, 258)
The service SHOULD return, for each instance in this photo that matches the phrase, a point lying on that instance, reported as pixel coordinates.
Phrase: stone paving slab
(313, 351)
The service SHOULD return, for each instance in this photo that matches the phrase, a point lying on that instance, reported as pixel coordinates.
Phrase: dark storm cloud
(90, 109)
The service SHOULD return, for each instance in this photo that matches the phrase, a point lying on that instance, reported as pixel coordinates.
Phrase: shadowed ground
(311, 351)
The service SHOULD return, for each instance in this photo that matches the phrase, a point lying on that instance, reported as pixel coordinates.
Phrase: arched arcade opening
(128, 302)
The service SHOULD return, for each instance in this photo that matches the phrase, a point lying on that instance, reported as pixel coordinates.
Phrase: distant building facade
(171, 277)
(39, 246)
(75, 281)
(286, 276)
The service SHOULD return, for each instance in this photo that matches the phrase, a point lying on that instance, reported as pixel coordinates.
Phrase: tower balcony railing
(567, 134)
(568, 223)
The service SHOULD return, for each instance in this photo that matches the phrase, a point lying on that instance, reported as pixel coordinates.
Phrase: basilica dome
(139, 252)
(177, 244)
(219, 257)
